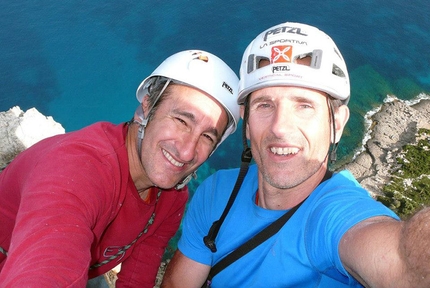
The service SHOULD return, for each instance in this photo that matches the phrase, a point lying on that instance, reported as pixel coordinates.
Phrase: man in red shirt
(76, 205)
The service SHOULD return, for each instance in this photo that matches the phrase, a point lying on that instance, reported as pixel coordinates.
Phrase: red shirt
(69, 202)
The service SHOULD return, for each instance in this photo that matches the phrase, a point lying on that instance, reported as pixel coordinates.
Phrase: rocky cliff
(391, 127)
(19, 130)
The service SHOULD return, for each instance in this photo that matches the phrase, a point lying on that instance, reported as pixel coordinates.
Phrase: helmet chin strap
(333, 145)
(185, 181)
(143, 121)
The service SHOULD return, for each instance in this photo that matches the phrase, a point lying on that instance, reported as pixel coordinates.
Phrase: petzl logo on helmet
(225, 85)
(281, 54)
(283, 29)
(281, 68)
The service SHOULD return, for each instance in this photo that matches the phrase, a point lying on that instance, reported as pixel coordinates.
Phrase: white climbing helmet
(281, 46)
(204, 71)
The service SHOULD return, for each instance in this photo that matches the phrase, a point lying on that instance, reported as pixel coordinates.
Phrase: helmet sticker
(283, 41)
(200, 56)
(281, 54)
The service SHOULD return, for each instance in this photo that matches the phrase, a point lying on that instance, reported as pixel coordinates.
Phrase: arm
(184, 272)
(51, 241)
(414, 248)
(381, 252)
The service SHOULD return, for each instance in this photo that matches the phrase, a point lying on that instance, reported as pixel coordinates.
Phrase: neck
(146, 195)
(137, 172)
(273, 198)
(279, 201)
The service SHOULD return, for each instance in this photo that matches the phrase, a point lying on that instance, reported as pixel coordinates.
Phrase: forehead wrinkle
(294, 97)
(186, 114)
(300, 98)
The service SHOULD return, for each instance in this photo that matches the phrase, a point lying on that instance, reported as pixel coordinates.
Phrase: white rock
(19, 130)
(34, 127)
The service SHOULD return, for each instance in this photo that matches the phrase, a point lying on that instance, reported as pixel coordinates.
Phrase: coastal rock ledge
(19, 130)
(393, 125)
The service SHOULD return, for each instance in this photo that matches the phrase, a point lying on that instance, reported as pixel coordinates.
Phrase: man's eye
(306, 106)
(209, 137)
(263, 105)
(181, 121)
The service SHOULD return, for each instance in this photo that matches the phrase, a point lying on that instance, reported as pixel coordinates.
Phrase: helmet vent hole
(263, 62)
(256, 62)
(337, 71)
(304, 59)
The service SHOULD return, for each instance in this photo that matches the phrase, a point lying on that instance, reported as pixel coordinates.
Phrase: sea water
(81, 61)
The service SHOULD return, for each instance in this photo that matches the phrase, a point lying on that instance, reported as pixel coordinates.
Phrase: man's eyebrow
(298, 98)
(260, 98)
(192, 118)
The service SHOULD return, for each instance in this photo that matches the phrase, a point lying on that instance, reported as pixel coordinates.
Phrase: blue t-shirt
(304, 253)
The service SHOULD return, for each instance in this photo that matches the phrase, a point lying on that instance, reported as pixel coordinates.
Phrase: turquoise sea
(81, 61)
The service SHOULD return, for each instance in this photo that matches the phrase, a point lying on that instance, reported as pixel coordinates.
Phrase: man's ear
(341, 118)
(145, 105)
(242, 111)
(242, 115)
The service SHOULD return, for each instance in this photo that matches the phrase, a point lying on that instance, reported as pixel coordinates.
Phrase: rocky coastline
(393, 125)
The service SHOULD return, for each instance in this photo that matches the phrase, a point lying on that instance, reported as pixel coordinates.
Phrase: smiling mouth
(171, 160)
(284, 151)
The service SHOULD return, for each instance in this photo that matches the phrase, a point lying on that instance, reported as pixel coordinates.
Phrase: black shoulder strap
(256, 240)
(259, 238)
(209, 239)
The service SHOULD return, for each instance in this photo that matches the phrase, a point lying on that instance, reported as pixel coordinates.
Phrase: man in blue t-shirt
(294, 90)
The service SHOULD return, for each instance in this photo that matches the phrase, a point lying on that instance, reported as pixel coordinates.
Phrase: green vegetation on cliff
(409, 187)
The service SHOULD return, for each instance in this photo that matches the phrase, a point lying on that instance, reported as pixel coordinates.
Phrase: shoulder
(84, 159)
(334, 208)
(100, 134)
(341, 183)
(103, 142)
(342, 198)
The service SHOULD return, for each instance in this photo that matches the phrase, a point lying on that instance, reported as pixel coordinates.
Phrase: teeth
(284, 151)
(173, 161)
